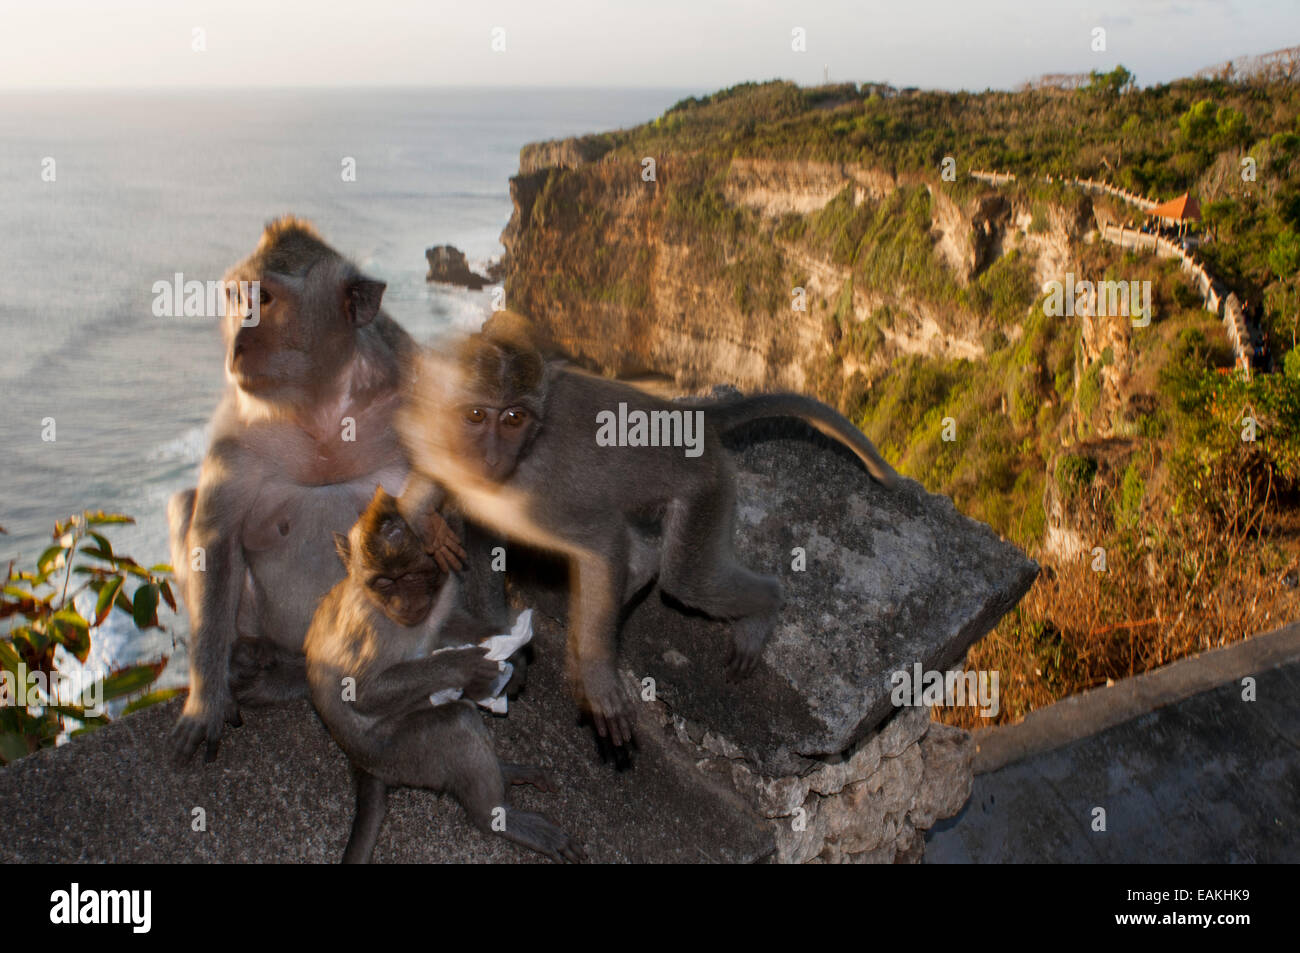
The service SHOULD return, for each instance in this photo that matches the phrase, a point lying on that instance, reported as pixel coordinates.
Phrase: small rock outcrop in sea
(447, 264)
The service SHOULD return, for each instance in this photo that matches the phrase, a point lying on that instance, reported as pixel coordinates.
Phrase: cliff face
(692, 276)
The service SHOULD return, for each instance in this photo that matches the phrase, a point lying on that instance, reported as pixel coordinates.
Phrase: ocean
(150, 183)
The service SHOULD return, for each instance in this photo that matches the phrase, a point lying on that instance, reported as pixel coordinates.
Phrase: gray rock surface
(280, 791)
(893, 577)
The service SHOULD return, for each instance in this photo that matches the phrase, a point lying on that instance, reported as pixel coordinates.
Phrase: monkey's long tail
(730, 414)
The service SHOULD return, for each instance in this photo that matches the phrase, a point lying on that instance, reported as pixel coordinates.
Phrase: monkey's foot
(532, 774)
(195, 728)
(262, 673)
(534, 831)
(748, 636)
(519, 677)
(608, 702)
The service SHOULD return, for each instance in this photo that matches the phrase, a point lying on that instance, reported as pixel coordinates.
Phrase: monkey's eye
(265, 297)
(381, 584)
(515, 417)
(475, 415)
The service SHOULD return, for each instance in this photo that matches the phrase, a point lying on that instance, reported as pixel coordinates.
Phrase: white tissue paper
(500, 648)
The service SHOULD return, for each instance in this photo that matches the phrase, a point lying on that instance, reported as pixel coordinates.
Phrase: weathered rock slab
(892, 578)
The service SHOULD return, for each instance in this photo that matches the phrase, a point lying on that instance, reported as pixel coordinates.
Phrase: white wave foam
(189, 447)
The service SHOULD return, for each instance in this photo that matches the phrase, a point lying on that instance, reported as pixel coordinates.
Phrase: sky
(702, 44)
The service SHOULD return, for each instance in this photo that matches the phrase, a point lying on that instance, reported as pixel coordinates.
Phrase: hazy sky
(703, 44)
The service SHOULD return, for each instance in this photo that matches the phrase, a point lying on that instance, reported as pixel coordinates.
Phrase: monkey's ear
(362, 297)
(344, 549)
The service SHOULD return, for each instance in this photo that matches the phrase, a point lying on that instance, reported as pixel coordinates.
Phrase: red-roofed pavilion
(1178, 212)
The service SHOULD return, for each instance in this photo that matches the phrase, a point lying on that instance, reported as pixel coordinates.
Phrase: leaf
(152, 698)
(12, 747)
(93, 725)
(73, 631)
(99, 553)
(36, 641)
(77, 712)
(27, 607)
(71, 617)
(162, 569)
(48, 557)
(104, 604)
(9, 659)
(145, 606)
(166, 588)
(127, 680)
(99, 518)
(104, 544)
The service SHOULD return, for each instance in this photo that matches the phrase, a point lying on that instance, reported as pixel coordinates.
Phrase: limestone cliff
(731, 271)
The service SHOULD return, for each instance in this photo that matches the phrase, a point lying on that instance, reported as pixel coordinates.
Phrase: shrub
(1074, 473)
(39, 607)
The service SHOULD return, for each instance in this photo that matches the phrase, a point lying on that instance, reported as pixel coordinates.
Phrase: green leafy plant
(40, 612)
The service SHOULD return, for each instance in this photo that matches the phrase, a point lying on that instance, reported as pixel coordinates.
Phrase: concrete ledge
(1094, 711)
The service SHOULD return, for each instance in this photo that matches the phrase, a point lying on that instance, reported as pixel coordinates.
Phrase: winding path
(1217, 297)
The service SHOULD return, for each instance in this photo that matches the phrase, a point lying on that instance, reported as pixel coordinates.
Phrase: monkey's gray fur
(511, 438)
(251, 545)
(382, 638)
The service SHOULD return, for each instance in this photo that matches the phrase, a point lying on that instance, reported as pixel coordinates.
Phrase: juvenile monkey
(300, 440)
(514, 440)
(382, 626)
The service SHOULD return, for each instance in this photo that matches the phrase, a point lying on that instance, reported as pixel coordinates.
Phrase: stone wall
(1217, 298)
(874, 805)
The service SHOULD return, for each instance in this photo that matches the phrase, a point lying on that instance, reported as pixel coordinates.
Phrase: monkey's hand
(607, 700)
(200, 723)
(441, 542)
(472, 671)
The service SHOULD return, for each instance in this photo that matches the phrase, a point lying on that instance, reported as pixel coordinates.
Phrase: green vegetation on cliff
(1160, 140)
(1158, 486)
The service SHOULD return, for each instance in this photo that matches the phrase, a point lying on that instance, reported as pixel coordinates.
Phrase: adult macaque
(543, 453)
(392, 627)
(300, 440)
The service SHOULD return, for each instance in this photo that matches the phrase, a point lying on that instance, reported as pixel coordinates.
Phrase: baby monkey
(373, 661)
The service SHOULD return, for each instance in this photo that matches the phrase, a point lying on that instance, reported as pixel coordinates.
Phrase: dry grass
(1171, 588)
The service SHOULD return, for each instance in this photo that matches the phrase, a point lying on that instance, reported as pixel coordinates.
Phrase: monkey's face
(492, 438)
(305, 327)
(384, 556)
(406, 597)
(267, 347)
